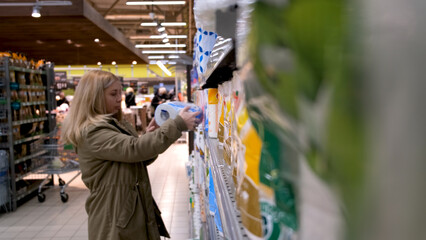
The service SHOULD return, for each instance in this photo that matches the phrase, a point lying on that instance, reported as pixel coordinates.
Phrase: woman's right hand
(190, 118)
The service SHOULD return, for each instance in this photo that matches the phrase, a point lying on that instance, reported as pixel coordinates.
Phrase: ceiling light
(36, 12)
(149, 24)
(156, 57)
(164, 24)
(69, 41)
(155, 3)
(96, 39)
(173, 56)
(169, 24)
(172, 63)
(161, 65)
(99, 63)
(164, 35)
(168, 36)
(163, 51)
(38, 3)
(166, 40)
(134, 62)
(155, 61)
(161, 29)
(113, 63)
(159, 45)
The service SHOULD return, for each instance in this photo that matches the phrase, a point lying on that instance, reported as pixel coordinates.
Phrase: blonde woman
(113, 159)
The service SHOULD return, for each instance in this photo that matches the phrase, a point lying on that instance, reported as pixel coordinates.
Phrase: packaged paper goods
(171, 110)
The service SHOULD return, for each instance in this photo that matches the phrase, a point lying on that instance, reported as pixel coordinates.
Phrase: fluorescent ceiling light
(169, 24)
(155, 3)
(164, 24)
(163, 61)
(173, 56)
(161, 65)
(37, 3)
(131, 17)
(161, 29)
(156, 57)
(159, 45)
(166, 40)
(168, 36)
(163, 51)
(149, 24)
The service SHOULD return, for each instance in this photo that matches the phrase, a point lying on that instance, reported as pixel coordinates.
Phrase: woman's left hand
(152, 126)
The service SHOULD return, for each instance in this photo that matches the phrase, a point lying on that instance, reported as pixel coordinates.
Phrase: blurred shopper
(130, 97)
(113, 159)
(160, 97)
(61, 99)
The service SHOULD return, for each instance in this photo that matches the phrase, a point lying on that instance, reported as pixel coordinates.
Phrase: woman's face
(113, 98)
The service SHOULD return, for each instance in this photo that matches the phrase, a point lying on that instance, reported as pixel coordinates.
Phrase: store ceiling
(65, 34)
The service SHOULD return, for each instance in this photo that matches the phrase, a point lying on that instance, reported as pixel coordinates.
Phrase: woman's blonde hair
(88, 105)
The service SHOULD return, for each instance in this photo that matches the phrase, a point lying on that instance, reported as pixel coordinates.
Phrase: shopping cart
(59, 159)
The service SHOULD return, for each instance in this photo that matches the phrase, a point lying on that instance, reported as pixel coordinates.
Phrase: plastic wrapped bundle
(205, 10)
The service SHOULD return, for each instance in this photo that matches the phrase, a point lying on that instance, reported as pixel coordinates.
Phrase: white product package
(171, 109)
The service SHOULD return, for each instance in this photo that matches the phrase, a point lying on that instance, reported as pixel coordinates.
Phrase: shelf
(21, 69)
(230, 217)
(33, 187)
(20, 122)
(32, 87)
(33, 103)
(26, 158)
(29, 139)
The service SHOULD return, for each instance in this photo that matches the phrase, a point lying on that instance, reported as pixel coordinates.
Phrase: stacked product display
(26, 101)
(279, 132)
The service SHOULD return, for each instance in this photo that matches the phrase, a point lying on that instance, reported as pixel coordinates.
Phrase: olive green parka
(113, 163)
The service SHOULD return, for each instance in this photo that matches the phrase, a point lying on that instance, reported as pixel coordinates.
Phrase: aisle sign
(61, 80)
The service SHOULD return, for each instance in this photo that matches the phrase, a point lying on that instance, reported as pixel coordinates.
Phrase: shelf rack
(7, 125)
(230, 216)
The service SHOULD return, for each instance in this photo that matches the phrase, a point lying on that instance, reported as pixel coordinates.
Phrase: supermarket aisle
(56, 220)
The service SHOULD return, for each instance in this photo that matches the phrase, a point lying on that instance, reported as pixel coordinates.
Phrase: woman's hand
(152, 126)
(190, 118)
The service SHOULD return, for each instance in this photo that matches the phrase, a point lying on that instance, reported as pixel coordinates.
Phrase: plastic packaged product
(205, 12)
(221, 119)
(171, 110)
(212, 109)
(213, 208)
(204, 43)
(248, 178)
(278, 165)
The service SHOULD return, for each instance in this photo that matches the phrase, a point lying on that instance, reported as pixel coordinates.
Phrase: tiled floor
(53, 219)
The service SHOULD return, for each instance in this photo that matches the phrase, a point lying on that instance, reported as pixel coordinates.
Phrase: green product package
(278, 167)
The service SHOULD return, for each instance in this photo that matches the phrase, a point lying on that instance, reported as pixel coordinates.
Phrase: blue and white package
(213, 208)
(168, 110)
(204, 43)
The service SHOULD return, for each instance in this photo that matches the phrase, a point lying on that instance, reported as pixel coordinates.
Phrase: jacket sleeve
(104, 142)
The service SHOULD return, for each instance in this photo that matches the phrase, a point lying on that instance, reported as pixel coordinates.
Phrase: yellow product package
(248, 188)
(212, 109)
